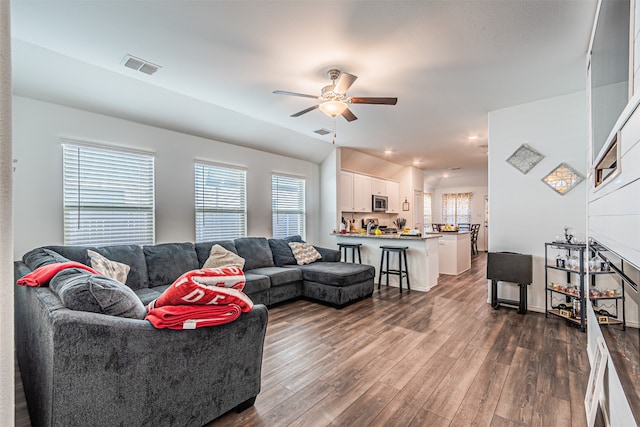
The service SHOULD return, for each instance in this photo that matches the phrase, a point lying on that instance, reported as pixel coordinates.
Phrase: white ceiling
(448, 62)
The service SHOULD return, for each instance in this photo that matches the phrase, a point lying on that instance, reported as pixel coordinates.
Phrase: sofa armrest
(329, 255)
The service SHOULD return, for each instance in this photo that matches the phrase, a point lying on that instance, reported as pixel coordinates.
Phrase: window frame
(102, 184)
(299, 210)
(202, 233)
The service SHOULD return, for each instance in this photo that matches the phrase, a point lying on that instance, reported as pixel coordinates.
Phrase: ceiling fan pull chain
(334, 131)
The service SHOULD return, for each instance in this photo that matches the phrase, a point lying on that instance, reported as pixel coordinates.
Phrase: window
(108, 196)
(428, 215)
(456, 208)
(221, 202)
(287, 204)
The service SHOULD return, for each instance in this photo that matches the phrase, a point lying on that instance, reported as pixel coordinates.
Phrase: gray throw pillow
(83, 291)
(281, 251)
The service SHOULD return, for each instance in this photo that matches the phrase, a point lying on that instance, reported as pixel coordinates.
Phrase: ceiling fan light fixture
(333, 108)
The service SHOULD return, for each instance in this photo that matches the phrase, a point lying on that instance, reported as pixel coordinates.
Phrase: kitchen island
(422, 256)
(455, 251)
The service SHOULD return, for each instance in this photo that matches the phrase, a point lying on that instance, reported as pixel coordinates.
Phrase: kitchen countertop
(390, 236)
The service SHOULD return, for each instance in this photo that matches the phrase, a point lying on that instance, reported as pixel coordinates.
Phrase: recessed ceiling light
(416, 162)
(473, 137)
(388, 151)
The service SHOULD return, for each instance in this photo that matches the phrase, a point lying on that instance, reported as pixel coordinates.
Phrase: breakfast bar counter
(422, 255)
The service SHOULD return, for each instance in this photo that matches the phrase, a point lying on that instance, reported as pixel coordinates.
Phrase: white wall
(7, 392)
(477, 207)
(38, 127)
(524, 212)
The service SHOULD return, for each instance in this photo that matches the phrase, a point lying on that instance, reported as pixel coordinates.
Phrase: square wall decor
(525, 158)
(563, 178)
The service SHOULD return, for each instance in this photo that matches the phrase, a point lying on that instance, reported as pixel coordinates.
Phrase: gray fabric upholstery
(255, 283)
(286, 292)
(255, 251)
(168, 261)
(88, 369)
(281, 251)
(80, 290)
(203, 249)
(40, 256)
(338, 296)
(336, 273)
(329, 255)
(279, 275)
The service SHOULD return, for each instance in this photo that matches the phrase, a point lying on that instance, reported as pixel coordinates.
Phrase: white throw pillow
(304, 253)
(220, 257)
(113, 269)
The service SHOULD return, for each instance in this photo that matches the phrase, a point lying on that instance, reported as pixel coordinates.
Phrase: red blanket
(192, 316)
(42, 275)
(209, 286)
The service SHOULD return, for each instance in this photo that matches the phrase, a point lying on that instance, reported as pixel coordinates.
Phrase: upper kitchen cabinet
(361, 193)
(378, 187)
(355, 192)
(393, 194)
(346, 192)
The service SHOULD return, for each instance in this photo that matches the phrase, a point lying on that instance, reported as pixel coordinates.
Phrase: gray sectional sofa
(83, 368)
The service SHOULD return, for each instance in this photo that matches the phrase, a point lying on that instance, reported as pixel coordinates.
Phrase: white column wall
(524, 213)
(7, 395)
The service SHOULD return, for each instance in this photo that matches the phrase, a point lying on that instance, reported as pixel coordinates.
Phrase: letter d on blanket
(193, 296)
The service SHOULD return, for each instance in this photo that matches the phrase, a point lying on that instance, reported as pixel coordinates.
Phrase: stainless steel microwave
(379, 203)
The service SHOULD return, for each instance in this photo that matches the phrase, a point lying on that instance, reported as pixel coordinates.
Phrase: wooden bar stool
(353, 247)
(402, 252)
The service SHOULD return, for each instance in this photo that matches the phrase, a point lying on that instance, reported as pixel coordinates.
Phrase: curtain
(456, 208)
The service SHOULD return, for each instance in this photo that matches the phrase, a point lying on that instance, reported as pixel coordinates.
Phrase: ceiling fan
(334, 97)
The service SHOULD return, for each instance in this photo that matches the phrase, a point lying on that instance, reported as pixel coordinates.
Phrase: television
(609, 70)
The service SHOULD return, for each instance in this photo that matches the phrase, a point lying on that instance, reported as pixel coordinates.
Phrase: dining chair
(436, 227)
(475, 229)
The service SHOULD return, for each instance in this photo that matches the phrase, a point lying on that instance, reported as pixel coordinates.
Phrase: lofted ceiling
(448, 62)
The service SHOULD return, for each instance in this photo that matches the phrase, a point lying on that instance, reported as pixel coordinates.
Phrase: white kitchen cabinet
(378, 187)
(361, 193)
(346, 192)
(393, 195)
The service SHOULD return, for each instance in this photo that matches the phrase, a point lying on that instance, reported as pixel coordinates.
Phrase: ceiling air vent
(322, 131)
(140, 65)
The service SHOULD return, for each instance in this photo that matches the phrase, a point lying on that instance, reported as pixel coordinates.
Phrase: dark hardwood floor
(441, 358)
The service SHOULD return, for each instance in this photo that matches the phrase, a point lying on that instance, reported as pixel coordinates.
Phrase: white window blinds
(288, 206)
(108, 196)
(221, 202)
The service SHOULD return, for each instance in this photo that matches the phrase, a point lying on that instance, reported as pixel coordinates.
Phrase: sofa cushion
(40, 256)
(203, 249)
(336, 273)
(115, 270)
(84, 291)
(279, 275)
(255, 283)
(304, 253)
(255, 251)
(221, 257)
(281, 251)
(167, 261)
(131, 255)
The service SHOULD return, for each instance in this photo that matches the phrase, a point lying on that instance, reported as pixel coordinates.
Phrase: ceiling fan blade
(344, 82)
(282, 92)
(299, 113)
(369, 100)
(348, 115)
